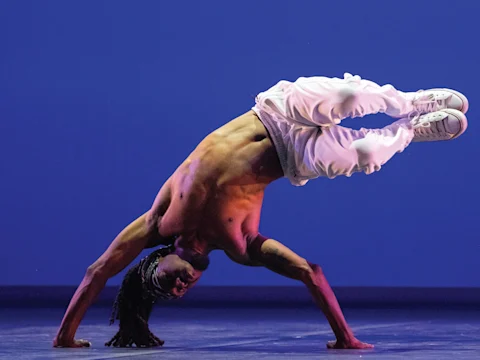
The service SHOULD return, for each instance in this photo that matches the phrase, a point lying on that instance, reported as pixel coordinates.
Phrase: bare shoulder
(162, 200)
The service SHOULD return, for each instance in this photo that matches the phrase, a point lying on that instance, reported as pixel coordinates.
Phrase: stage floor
(260, 334)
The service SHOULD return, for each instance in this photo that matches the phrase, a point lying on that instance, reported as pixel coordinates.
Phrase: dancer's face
(176, 275)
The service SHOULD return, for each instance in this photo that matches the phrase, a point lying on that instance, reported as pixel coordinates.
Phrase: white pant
(302, 119)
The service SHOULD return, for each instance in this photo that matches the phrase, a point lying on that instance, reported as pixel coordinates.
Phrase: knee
(347, 94)
(347, 98)
(346, 101)
(366, 150)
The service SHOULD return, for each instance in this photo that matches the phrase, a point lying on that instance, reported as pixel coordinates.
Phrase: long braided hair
(134, 302)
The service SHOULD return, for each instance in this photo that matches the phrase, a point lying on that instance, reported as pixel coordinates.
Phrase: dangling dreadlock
(134, 302)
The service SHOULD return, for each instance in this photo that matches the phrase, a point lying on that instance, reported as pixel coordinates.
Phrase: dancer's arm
(121, 252)
(284, 261)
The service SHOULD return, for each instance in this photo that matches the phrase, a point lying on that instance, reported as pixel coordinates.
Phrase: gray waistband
(275, 135)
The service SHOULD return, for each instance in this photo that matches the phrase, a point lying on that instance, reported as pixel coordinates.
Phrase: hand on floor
(351, 344)
(58, 343)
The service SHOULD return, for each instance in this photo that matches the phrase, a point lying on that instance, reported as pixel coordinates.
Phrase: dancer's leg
(341, 151)
(327, 101)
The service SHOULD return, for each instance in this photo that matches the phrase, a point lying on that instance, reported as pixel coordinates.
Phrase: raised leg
(326, 101)
(342, 151)
(278, 258)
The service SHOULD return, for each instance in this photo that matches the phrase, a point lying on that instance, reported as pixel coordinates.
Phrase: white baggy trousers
(302, 118)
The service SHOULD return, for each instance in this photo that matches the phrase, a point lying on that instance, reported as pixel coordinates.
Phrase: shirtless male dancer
(213, 200)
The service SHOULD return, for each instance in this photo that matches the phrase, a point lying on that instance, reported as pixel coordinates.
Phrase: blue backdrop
(101, 100)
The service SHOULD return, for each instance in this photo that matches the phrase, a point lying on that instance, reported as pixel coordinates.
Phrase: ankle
(346, 337)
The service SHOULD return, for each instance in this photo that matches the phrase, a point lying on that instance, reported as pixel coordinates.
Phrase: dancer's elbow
(97, 272)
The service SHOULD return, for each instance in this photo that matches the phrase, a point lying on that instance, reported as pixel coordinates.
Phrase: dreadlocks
(134, 302)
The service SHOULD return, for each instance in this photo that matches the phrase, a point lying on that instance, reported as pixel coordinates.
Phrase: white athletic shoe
(446, 124)
(427, 101)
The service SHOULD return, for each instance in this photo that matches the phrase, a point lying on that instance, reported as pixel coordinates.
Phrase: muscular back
(214, 198)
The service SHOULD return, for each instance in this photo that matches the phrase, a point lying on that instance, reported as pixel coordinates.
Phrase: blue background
(101, 100)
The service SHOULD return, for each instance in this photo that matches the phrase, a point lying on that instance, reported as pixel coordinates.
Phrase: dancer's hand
(61, 343)
(350, 344)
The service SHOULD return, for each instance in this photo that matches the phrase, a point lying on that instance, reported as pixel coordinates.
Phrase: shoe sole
(464, 99)
(461, 118)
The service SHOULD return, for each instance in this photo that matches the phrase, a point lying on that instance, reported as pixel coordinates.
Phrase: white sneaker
(427, 101)
(446, 124)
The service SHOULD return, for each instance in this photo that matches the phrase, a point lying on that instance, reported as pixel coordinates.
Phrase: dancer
(213, 200)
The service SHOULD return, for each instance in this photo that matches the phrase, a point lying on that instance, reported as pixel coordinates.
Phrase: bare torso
(214, 198)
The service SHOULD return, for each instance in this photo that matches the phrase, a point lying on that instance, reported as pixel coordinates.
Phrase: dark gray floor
(251, 334)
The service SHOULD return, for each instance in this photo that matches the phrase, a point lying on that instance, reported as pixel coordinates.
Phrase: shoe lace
(416, 119)
(428, 103)
(425, 126)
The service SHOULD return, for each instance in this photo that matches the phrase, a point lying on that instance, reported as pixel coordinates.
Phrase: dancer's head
(162, 275)
(174, 276)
